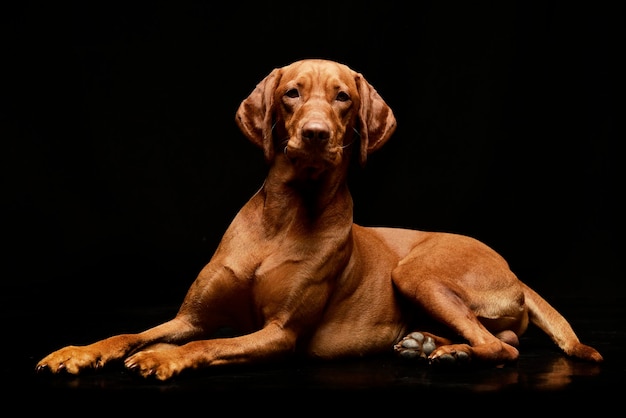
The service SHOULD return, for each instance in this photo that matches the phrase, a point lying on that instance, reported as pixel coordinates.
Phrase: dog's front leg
(272, 341)
(213, 297)
(74, 359)
(286, 308)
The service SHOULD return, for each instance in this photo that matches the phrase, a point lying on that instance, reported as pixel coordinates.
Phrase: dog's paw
(447, 355)
(71, 360)
(155, 364)
(415, 346)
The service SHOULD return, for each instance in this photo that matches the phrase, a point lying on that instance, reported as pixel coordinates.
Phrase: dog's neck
(289, 195)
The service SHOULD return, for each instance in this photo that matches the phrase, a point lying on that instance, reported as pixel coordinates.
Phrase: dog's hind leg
(449, 307)
(419, 345)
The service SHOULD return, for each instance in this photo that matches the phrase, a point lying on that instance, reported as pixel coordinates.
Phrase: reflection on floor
(541, 371)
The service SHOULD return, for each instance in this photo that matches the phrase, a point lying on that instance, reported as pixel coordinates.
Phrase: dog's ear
(255, 114)
(376, 119)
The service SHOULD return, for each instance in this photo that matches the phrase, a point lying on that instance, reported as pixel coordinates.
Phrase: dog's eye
(293, 93)
(342, 96)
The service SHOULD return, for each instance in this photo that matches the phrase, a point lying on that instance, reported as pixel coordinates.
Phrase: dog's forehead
(318, 73)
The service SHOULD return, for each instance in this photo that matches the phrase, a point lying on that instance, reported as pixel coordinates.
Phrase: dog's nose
(315, 131)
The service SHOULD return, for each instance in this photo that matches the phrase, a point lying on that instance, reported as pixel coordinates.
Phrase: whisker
(271, 130)
(347, 145)
(351, 142)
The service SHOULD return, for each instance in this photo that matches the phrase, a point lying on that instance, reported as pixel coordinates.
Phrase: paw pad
(415, 346)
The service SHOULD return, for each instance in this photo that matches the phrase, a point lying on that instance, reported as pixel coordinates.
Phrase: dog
(294, 275)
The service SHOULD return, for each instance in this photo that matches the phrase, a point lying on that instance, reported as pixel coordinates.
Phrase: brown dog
(294, 274)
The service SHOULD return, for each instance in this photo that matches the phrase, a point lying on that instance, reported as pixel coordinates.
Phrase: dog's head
(314, 110)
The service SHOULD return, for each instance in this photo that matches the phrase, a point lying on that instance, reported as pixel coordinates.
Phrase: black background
(122, 164)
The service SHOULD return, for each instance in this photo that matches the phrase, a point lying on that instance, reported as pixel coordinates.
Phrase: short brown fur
(294, 274)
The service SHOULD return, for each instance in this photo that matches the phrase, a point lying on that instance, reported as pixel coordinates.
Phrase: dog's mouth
(312, 159)
(315, 145)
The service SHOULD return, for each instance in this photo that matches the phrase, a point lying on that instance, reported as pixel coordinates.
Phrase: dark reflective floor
(541, 374)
